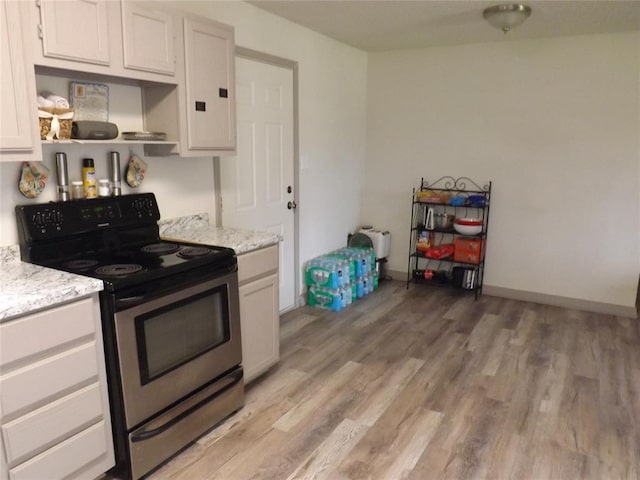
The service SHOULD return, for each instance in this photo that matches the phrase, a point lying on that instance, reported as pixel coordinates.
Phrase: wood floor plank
(375, 405)
(496, 354)
(427, 384)
(320, 464)
(423, 431)
(318, 398)
(272, 389)
(523, 328)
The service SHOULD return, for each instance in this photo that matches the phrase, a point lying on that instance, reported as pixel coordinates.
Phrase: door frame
(257, 56)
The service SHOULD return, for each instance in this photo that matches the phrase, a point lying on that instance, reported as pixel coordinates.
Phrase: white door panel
(254, 185)
(244, 177)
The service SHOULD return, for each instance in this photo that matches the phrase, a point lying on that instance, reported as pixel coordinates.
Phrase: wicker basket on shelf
(62, 117)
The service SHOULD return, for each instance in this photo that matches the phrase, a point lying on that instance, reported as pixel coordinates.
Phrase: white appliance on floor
(380, 241)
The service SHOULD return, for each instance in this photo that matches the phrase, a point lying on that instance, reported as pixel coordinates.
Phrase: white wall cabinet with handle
(125, 39)
(76, 30)
(209, 64)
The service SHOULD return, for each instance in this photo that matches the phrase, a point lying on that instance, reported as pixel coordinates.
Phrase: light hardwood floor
(428, 384)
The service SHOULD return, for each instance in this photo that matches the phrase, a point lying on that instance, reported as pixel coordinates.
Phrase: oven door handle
(128, 302)
(145, 435)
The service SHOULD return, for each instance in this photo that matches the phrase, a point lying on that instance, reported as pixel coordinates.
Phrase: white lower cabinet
(259, 311)
(55, 419)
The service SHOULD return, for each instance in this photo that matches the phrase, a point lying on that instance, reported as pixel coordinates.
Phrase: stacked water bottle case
(336, 279)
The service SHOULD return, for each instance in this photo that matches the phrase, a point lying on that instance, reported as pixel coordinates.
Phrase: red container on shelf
(439, 251)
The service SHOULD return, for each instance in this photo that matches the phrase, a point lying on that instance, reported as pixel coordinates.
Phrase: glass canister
(77, 190)
(104, 187)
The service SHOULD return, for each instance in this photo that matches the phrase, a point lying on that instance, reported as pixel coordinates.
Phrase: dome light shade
(506, 16)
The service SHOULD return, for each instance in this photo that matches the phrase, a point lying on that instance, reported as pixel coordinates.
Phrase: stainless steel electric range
(170, 317)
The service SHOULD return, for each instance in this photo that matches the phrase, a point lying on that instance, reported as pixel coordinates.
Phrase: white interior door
(257, 184)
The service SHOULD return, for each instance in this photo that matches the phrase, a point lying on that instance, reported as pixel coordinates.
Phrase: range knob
(143, 207)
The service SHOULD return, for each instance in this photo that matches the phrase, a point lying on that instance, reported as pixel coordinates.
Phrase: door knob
(291, 205)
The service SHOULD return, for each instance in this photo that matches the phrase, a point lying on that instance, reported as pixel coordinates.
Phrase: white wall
(553, 123)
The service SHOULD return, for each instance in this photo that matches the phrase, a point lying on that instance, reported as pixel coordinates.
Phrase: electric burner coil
(118, 269)
(194, 252)
(160, 248)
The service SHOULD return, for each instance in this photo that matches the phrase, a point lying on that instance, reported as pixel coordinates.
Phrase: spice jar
(77, 190)
(104, 188)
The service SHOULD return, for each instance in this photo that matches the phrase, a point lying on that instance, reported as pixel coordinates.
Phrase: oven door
(169, 347)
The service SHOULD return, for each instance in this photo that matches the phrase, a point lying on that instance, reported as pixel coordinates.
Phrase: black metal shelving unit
(454, 187)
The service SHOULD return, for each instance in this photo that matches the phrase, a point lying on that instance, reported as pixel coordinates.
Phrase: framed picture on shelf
(90, 101)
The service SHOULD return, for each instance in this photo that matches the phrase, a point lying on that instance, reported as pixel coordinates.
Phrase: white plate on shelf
(145, 136)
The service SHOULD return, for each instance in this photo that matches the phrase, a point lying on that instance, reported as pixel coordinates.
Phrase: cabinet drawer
(32, 386)
(67, 457)
(257, 263)
(37, 333)
(40, 429)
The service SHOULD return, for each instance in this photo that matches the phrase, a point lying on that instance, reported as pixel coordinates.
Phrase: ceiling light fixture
(506, 16)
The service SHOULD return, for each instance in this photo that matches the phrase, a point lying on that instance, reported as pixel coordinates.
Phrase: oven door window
(177, 333)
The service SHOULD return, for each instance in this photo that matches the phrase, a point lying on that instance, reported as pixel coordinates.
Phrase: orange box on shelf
(469, 250)
(472, 244)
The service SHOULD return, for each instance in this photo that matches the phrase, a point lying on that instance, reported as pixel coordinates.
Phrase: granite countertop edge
(196, 229)
(26, 288)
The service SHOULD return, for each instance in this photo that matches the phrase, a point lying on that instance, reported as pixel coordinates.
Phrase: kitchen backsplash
(182, 186)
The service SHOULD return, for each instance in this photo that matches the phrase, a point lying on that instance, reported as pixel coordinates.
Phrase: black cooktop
(144, 263)
(113, 239)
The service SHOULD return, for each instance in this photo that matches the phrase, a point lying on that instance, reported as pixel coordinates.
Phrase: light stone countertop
(27, 288)
(196, 229)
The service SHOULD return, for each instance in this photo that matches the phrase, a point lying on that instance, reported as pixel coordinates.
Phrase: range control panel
(56, 219)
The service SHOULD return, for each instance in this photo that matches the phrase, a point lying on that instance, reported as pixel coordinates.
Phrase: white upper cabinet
(148, 38)
(19, 132)
(75, 30)
(109, 38)
(210, 85)
(183, 64)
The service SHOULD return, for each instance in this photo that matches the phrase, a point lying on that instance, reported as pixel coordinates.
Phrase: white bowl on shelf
(467, 229)
(467, 226)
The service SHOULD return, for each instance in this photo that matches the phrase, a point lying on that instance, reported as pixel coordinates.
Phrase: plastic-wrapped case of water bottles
(338, 278)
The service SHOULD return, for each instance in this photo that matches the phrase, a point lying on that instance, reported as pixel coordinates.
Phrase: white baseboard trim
(546, 299)
(559, 301)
